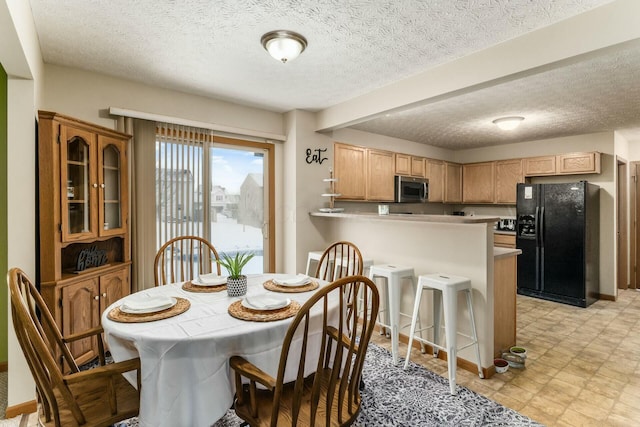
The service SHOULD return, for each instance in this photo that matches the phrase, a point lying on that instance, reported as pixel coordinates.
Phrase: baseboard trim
(442, 354)
(4, 366)
(607, 297)
(21, 408)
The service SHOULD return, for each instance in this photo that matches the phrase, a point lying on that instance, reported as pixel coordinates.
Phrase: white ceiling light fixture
(508, 123)
(284, 45)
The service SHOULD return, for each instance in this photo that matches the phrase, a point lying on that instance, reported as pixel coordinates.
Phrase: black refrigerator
(557, 230)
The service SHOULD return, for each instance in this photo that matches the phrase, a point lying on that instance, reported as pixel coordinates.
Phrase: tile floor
(582, 368)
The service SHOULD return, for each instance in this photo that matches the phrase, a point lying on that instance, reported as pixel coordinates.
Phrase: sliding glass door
(217, 188)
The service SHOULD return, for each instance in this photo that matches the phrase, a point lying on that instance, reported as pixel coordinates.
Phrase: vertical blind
(182, 183)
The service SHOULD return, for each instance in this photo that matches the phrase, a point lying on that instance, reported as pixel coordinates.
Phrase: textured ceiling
(597, 94)
(212, 48)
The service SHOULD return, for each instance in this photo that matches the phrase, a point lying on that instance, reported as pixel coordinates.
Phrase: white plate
(210, 279)
(330, 210)
(147, 309)
(293, 281)
(265, 302)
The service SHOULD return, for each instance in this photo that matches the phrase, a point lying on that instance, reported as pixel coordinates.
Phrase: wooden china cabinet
(85, 257)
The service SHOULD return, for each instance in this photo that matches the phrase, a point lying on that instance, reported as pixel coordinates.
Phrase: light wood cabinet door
(80, 312)
(478, 182)
(505, 279)
(576, 163)
(537, 166)
(78, 182)
(417, 167)
(380, 173)
(113, 286)
(435, 174)
(508, 175)
(402, 164)
(112, 191)
(350, 164)
(452, 183)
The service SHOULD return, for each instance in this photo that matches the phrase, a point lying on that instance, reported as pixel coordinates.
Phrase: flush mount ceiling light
(508, 123)
(284, 45)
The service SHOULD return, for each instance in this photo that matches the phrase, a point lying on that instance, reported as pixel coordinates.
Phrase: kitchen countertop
(499, 253)
(508, 233)
(452, 219)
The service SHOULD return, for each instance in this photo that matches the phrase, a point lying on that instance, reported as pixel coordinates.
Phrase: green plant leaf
(234, 265)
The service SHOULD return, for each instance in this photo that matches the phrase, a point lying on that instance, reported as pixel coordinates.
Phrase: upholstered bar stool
(447, 297)
(394, 276)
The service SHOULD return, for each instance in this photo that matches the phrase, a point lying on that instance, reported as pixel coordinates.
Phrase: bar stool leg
(473, 331)
(414, 319)
(451, 328)
(423, 349)
(437, 315)
(394, 314)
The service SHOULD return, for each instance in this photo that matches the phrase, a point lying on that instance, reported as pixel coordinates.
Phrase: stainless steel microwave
(411, 190)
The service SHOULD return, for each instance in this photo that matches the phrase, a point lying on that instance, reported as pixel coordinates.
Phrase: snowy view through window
(234, 194)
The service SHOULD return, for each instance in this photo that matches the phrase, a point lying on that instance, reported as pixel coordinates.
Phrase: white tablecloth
(186, 379)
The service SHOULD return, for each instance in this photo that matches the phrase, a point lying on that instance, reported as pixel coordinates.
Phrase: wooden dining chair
(330, 396)
(97, 397)
(341, 259)
(184, 258)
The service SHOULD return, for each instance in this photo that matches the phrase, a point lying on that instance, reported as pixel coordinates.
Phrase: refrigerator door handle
(541, 221)
(536, 224)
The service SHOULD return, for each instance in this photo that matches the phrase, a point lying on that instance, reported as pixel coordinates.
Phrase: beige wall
(87, 96)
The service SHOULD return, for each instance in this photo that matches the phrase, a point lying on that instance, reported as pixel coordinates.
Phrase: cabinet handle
(104, 295)
(97, 297)
(95, 185)
(102, 185)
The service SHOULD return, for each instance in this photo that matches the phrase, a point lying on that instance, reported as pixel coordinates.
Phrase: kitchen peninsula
(458, 245)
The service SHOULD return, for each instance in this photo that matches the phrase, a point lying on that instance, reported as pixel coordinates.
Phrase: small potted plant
(236, 281)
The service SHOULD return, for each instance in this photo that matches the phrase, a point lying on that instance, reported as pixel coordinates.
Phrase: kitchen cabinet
(417, 167)
(504, 307)
(85, 257)
(538, 166)
(350, 166)
(563, 164)
(435, 174)
(478, 182)
(508, 175)
(578, 163)
(409, 165)
(402, 164)
(380, 176)
(452, 182)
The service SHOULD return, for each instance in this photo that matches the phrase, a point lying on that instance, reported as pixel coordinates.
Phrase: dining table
(184, 359)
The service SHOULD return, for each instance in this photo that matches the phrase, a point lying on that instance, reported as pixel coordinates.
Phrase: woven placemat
(191, 287)
(271, 286)
(239, 312)
(118, 315)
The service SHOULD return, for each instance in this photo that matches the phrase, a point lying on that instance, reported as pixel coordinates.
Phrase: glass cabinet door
(77, 184)
(112, 163)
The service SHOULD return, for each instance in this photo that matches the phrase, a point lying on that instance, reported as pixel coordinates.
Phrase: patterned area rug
(412, 397)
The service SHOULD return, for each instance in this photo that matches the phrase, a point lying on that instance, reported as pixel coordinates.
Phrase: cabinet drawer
(504, 240)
